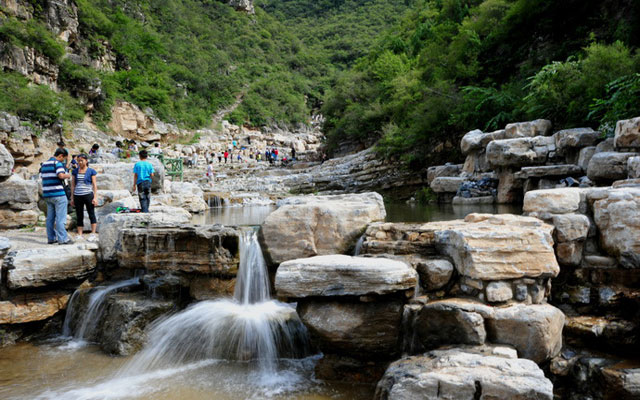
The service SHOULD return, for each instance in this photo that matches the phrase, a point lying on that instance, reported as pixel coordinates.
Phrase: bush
(622, 101)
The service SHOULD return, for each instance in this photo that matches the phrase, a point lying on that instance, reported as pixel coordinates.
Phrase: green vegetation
(455, 65)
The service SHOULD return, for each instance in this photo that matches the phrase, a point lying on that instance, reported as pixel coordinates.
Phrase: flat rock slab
(339, 275)
(43, 266)
(550, 171)
(609, 166)
(32, 307)
(466, 373)
(306, 226)
(520, 151)
(554, 201)
(500, 247)
(446, 184)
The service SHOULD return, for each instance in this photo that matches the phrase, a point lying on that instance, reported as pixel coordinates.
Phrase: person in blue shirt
(142, 173)
(53, 174)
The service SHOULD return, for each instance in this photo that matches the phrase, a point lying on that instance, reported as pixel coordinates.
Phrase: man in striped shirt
(53, 174)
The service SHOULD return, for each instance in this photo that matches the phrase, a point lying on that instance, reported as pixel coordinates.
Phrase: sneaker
(52, 242)
(69, 241)
(92, 238)
(79, 237)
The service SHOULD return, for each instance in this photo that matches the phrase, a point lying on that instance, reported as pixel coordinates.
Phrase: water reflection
(252, 215)
(402, 212)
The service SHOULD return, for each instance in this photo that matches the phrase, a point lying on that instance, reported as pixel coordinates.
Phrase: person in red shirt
(226, 156)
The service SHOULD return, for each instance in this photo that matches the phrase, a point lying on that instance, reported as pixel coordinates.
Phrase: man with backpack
(142, 173)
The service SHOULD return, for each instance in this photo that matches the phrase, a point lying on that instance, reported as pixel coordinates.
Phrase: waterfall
(249, 327)
(95, 308)
(359, 243)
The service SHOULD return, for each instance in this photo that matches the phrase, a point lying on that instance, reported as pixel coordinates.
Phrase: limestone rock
(183, 195)
(32, 307)
(478, 140)
(499, 292)
(129, 121)
(553, 201)
(538, 127)
(571, 227)
(608, 166)
(584, 156)
(339, 275)
(617, 218)
(6, 162)
(361, 330)
(534, 330)
(10, 219)
(18, 193)
(108, 181)
(627, 133)
(448, 170)
(446, 184)
(550, 171)
(111, 225)
(434, 274)
(243, 5)
(466, 373)
(500, 248)
(5, 246)
(569, 253)
(201, 249)
(306, 226)
(207, 288)
(43, 266)
(520, 151)
(633, 167)
(576, 138)
(451, 321)
(509, 188)
(124, 171)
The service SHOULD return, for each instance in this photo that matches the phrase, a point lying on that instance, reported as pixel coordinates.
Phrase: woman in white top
(84, 192)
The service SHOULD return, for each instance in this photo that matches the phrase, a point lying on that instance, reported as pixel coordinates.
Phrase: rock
(534, 330)
(186, 248)
(466, 373)
(449, 170)
(306, 226)
(32, 307)
(360, 330)
(584, 156)
(570, 227)
(633, 167)
(550, 171)
(608, 166)
(554, 201)
(627, 133)
(462, 201)
(43, 266)
(446, 184)
(451, 321)
(569, 253)
(129, 121)
(434, 274)
(124, 170)
(499, 292)
(107, 181)
(339, 275)
(183, 195)
(30, 63)
(18, 193)
(499, 247)
(476, 163)
(106, 197)
(111, 224)
(576, 138)
(5, 246)
(478, 140)
(538, 127)
(207, 288)
(122, 327)
(333, 367)
(520, 152)
(243, 5)
(11, 219)
(509, 188)
(616, 216)
(6, 162)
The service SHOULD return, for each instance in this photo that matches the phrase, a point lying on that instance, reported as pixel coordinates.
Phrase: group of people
(82, 192)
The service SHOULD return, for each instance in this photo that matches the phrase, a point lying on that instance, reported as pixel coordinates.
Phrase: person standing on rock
(210, 172)
(226, 156)
(142, 173)
(84, 192)
(53, 174)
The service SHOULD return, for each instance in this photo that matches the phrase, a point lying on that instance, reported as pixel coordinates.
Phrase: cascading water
(95, 308)
(249, 327)
(358, 248)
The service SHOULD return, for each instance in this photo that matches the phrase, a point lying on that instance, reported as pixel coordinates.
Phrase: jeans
(57, 218)
(144, 195)
(81, 202)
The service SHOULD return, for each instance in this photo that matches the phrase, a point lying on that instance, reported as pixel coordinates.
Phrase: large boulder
(608, 166)
(10, 219)
(361, 330)
(499, 247)
(19, 194)
(339, 275)
(554, 201)
(520, 151)
(40, 267)
(534, 330)
(616, 214)
(468, 373)
(306, 226)
(446, 184)
(32, 307)
(478, 140)
(627, 133)
(183, 195)
(124, 171)
(538, 127)
(109, 181)
(442, 171)
(576, 138)
(112, 224)
(6, 162)
(434, 273)
(633, 167)
(187, 248)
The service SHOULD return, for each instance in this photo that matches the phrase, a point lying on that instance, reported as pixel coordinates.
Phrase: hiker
(117, 151)
(226, 155)
(142, 173)
(210, 172)
(84, 192)
(293, 153)
(194, 160)
(73, 164)
(156, 150)
(220, 157)
(53, 175)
